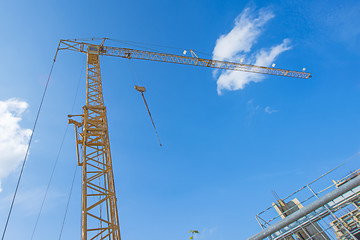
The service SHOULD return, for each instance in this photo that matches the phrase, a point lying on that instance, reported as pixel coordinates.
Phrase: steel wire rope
(29, 143)
(58, 155)
(133, 43)
(152, 121)
(68, 203)
(343, 163)
(136, 75)
(143, 44)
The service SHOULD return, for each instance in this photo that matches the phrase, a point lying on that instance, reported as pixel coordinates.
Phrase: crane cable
(68, 202)
(29, 144)
(49, 183)
(152, 121)
(57, 156)
(142, 90)
(146, 46)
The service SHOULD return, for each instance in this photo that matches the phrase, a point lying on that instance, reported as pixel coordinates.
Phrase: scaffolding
(316, 211)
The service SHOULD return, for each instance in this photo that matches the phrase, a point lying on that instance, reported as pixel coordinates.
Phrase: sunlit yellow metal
(99, 209)
(129, 53)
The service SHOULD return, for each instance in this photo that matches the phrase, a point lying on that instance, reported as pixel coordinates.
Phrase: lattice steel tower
(99, 210)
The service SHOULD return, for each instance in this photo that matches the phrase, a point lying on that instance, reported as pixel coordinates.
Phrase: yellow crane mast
(99, 208)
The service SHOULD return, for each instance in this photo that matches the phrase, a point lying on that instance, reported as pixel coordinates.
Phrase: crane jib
(179, 59)
(171, 58)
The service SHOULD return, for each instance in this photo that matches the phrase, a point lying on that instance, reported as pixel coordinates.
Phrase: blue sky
(222, 154)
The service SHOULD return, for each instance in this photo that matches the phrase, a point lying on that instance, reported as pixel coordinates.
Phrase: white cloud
(266, 58)
(244, 34)
(269, 110)
(237, 44)
(13, 138)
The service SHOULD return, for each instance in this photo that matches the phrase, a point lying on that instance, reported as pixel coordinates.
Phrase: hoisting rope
(142, 90)
(29, 144)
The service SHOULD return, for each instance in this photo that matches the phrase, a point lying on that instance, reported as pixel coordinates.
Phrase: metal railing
(315, 212)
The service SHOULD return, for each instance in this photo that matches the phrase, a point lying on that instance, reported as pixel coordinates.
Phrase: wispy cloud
(13, 138)
(29, 200)
(269, 110)
(207, 233)
(238, 43)
(254, 108)
(338, 21)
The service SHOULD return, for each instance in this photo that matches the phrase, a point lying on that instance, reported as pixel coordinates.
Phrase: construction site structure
(333, 212)
(348, 222)
(99, 205)
(285, 209)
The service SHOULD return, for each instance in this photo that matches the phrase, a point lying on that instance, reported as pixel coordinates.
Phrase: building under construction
(326, 208)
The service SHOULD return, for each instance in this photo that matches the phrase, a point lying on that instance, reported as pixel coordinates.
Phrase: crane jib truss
(99, 208)
(179, 59)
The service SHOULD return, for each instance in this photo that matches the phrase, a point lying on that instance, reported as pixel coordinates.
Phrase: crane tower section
(99, 208)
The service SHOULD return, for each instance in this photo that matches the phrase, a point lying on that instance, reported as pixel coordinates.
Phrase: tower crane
(99, 208)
